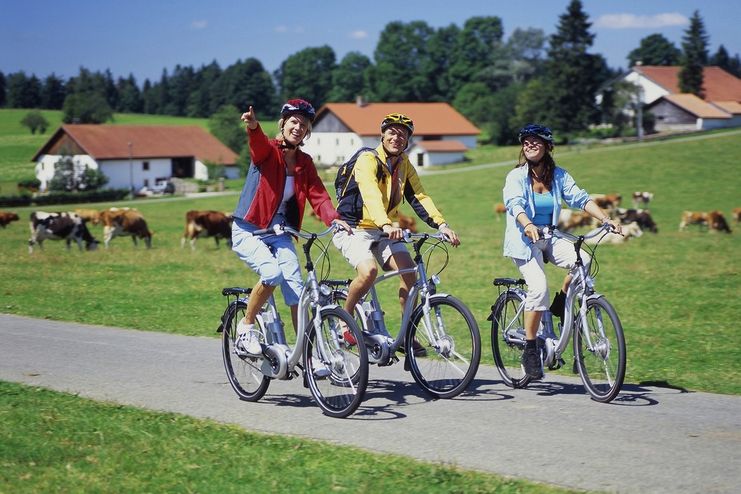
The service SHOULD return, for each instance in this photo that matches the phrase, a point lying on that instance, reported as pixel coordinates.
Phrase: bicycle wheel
(244, 373)
(508, 338)
(452, 344)
(337, 373)
(600, 358)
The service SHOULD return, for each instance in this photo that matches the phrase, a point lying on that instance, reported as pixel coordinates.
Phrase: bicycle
(442, 324)
(335, 372)
(598, 339)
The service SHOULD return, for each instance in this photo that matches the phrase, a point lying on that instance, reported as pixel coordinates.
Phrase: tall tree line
(497, 83)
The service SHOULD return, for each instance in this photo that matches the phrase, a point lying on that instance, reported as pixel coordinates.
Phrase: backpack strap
(379, 171)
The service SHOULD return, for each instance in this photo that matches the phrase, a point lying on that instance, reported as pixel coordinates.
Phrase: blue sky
(145, 36)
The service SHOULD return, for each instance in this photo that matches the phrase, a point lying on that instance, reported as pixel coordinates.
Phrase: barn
(136, 156)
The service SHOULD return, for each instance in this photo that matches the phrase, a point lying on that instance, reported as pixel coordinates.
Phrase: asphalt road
(650, 439)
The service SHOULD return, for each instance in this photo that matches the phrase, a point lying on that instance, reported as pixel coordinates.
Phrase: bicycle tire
(340, 393)
(602, 369)
(452, 359)
(508, 339)
(244, 373)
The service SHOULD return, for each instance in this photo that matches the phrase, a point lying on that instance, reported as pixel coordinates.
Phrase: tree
(130, 98)
(441, 47)
(725, 62)
(307, 74)
(655, 49)
(86, 107)
(199, 101)
(2, 90)
(695, 56)
(573, 74)
(479, 48)
(226, 127)
(53, 93)
(34, 120)
(349, 78)
(70, 176)
(526, 48)
(243, 84)
(23, 91)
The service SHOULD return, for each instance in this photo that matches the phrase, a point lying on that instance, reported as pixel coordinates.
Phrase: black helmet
(536, 130)
(298, 106)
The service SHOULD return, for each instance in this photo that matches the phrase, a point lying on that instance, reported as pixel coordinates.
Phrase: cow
(406, 223)
(641, 199)
(693, 218)
(59, 226)
(736, 214)
(641, 216)
(89, 215)
(207, 224)
(631, 230)
(499, 210)
(124, 222)
(569, 219)
(717, 222)
(607, 202)
(6, 218)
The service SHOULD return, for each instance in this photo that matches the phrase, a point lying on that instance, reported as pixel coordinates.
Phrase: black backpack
(344, 183)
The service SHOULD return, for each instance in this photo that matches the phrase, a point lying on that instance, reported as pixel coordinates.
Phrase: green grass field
(677, 295)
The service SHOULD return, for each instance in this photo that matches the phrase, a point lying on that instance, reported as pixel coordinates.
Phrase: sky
(143, 37)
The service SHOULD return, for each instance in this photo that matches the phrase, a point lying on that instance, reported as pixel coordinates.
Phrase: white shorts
(365, 245)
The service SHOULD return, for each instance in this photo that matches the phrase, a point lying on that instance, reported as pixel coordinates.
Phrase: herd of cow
(636, 219)
(72, 226)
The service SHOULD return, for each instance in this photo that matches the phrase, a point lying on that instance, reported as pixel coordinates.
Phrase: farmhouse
(441, 134)
(674, 110)
(136, 156)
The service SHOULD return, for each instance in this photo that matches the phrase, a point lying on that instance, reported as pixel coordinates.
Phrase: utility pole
(131, 171)
(639, 109)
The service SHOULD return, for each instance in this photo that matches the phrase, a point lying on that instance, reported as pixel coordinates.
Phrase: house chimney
(360, 101)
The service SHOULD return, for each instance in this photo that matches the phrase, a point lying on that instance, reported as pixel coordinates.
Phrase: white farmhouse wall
(45, 166)
(333, 148)
(651, 90)
(712, 123)
(468, 141)
(200, 172)
(434, 159)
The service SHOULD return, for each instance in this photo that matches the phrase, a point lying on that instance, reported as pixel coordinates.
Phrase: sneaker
(417, 348)
(531, 363)
(248, 341)
(320, 370)
(348, 336)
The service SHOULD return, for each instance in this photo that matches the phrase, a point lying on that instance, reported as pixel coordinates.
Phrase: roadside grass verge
(56, 442)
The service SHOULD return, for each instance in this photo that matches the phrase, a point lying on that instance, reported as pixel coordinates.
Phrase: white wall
(45, 166)
(200, 172)
(468, 141)
(434, 159)
(334, 148)
(120, 173)
(712, 123)
(651, 90)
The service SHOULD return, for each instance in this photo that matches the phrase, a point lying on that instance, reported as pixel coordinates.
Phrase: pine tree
(695, 56)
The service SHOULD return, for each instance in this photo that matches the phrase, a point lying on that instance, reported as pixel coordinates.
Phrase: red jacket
(263, 187)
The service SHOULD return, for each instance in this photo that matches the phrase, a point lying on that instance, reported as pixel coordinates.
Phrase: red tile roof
(106, 142)
(696, 106)
(718, 84)
(442, 146)
(733, 107)
(429, 118)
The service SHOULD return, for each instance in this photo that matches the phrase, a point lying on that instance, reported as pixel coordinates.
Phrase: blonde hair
(282, 121)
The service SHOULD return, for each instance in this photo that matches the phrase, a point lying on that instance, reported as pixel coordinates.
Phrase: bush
(79, 197)
(31, 184)
(15, 201)
(34, 120)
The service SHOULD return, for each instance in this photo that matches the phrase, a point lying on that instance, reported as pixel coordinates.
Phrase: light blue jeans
(272, 257)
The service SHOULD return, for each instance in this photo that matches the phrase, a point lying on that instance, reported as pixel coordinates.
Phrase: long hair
(547, 160)
(280, 137)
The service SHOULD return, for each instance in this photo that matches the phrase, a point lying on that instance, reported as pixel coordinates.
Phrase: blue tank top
(543, 208)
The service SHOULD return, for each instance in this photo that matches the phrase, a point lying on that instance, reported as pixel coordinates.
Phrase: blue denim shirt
(518, 198)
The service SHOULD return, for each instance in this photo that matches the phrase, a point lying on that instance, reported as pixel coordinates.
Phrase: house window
(337, 141)
(420, 159)
(352, 141)
(145, 165)
(146, 182)
(318, 141)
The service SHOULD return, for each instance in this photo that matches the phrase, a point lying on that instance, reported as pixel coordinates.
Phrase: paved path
(650, 439)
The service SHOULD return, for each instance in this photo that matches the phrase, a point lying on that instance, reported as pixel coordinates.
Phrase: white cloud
(632, 21)
(281, 29)
(199, 24)
(359, 34)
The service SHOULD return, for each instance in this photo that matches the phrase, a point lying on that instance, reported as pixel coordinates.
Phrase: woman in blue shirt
(533, 193)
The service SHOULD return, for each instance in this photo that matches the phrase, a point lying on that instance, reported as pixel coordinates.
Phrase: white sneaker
(248, 341)
(320, 369)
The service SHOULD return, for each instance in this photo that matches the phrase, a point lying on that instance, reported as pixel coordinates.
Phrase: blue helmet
(536, 130)
(298, 106)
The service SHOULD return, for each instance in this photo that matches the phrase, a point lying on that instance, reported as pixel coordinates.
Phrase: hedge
(65, 198)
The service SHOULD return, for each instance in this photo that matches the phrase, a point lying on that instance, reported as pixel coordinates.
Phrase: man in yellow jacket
(381, 180)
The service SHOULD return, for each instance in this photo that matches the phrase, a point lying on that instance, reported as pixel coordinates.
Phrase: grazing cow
(628, 231)
(717, 222)
(499, 210)
(736, 213)
(641, 199)
(58, 226)
(641, 216)
(693, 218)
(207, 224)
(570, 219)
(406, 223)
(89, 215)
(124, 222)
(7, 217)
(607, 202)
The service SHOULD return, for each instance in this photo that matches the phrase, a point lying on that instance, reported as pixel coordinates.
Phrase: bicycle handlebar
(549, 231)
(281, 229)
(408, 236)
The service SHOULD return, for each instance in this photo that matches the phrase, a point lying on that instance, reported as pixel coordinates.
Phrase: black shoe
(419, 350)
(531, 363)
(559, 305)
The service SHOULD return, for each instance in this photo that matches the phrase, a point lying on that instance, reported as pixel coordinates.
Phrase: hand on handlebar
(532, 232)
(451, 236)
(394, 233)
(339, 224)
(615, 226)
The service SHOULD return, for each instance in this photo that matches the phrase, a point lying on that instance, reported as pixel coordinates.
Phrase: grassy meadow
(676, 292)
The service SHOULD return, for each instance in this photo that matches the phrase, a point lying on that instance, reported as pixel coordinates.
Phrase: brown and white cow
(607, 202)
(499, 210)
(121, 222)
(717, 222)
(89, 215)
(640, 216)
(59, 226)
(7, 217)
(569, 219)
(631, 230)
(736, 214)
(207, 224)
(641, 199)
(714, 221)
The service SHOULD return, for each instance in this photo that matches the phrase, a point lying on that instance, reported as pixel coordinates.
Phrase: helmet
(536, 130)
(397, 119)
(298, 106)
